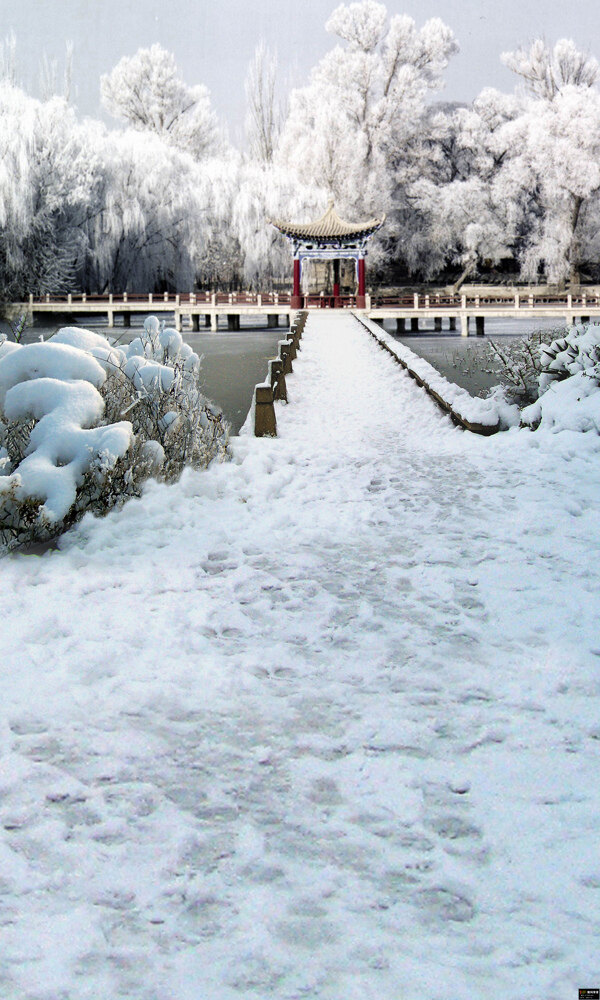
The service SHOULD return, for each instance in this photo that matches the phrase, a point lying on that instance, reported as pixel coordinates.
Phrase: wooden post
(284, 354)
(278, 380)
(265, 424)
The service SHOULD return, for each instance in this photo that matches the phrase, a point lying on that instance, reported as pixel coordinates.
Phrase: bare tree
(8, 59)
(50, 75)
(264, 113)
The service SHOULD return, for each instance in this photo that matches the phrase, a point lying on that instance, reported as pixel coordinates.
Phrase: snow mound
(572, 405)
(54, 386)
(49, 360)
(569, 383)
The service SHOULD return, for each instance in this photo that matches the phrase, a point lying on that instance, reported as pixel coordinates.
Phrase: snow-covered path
(322, 722)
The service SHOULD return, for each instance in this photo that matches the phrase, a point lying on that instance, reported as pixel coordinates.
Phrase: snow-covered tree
(48, 181)
(147, 232)
(146, 92)
(547, 71)
(268, 191)
(556, 152)
(357, 127)
(472, 210)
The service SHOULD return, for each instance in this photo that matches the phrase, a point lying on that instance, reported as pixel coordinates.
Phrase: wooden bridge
(469, 309)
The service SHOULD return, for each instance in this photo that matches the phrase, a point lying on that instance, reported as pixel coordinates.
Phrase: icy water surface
(468, 361)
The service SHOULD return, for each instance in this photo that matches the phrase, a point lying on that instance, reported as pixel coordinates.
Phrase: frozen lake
(234, 361)
(468, 361)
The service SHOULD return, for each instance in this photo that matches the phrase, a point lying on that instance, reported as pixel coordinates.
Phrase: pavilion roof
(329, 228)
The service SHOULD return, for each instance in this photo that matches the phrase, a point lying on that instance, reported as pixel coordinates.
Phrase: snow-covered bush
(578, 351)
(83, 423)
(569, 383)
(519, 365)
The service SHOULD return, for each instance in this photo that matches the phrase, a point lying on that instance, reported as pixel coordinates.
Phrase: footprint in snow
(444, 904)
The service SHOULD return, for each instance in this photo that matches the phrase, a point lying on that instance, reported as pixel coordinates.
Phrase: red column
(360, 298)
(296, 302)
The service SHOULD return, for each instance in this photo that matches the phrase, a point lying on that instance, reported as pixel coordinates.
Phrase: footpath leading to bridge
(322, 721)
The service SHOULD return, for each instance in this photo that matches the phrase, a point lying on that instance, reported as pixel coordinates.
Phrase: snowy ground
(320, 723)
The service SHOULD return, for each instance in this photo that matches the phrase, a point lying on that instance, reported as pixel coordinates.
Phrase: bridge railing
(521, 299)
(330, 301)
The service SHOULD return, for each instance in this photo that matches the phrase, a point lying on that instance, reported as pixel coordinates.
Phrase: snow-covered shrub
(519, 365)
(83, 423)
(577, 351)
(569, 383)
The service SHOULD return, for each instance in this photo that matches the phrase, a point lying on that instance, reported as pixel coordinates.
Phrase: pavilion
(329, 238)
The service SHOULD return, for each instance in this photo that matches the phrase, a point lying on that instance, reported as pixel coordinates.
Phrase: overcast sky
(214, 41)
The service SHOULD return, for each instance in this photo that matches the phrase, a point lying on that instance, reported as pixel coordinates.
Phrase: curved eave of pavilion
(329, 229)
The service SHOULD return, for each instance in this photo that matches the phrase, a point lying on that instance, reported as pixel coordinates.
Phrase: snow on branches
(83, 423)
(145, 91)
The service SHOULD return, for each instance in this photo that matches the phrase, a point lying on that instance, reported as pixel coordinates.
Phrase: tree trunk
(468, 271)
(575, 251)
